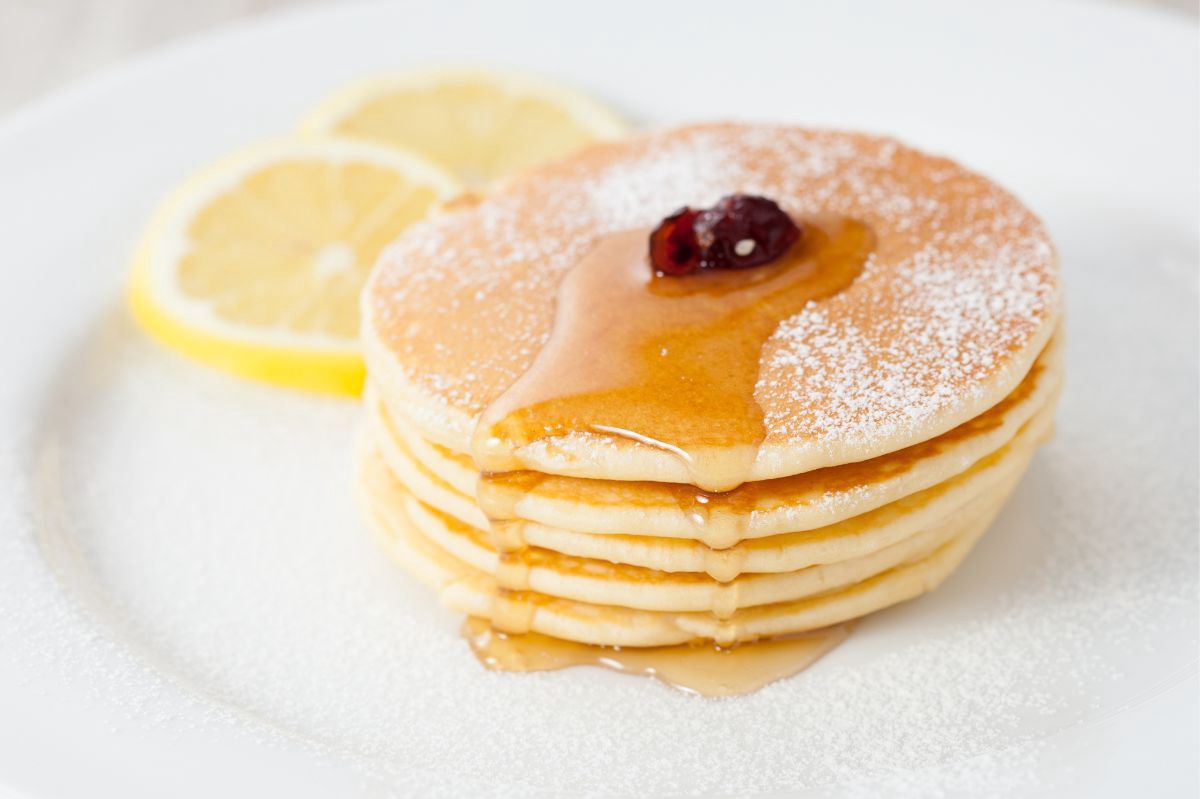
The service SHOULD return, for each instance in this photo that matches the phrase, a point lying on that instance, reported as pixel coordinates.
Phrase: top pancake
(957, 299)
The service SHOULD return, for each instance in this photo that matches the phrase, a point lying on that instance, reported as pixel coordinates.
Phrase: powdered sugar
(859, 385)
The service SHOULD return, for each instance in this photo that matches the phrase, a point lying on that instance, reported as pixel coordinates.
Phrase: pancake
(466, 589)
(721, 521)
(958, 297)
(789, 552)
(849, 552)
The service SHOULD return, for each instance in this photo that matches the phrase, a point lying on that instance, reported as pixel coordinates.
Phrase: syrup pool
(704, 669)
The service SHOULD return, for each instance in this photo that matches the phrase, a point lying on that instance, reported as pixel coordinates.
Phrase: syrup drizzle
(669, 363)
(664, 361)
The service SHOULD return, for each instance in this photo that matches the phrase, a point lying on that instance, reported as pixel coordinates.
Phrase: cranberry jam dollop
(739, 232)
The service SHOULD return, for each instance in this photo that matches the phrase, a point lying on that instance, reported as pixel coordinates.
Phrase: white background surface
(44, 43)
(215, 621)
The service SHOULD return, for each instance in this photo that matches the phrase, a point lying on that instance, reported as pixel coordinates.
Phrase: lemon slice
(481, 125)
(255, 264)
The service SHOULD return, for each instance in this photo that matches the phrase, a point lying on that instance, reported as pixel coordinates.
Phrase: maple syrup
(672, 363)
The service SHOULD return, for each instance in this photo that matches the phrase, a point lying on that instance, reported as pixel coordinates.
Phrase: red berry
(673, 247)
(738, 232)
(742, 231)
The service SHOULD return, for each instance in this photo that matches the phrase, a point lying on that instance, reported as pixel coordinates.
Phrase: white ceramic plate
(189, 605)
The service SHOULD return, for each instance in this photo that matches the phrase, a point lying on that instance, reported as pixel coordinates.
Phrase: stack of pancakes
(897, 415)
